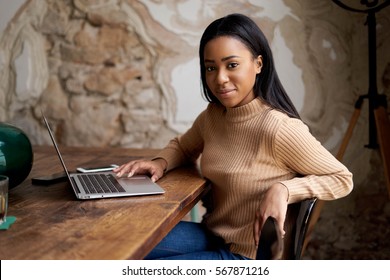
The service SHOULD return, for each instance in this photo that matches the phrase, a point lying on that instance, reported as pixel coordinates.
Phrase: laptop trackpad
(140, 183)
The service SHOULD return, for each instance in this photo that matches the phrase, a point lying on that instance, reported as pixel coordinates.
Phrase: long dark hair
(267, 85)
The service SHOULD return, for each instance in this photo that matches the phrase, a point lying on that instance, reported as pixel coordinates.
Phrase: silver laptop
(105, 184)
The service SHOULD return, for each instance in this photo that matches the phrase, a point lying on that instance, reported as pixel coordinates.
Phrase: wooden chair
(298, 217)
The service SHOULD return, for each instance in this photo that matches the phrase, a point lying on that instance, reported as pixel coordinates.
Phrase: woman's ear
(259, 64)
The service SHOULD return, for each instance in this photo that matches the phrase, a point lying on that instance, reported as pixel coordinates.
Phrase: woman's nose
(222, 77)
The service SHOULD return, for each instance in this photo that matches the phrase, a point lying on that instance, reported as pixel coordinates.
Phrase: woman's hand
(274, 204)
(153, 167)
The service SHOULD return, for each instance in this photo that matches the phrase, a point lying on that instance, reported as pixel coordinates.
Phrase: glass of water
(4, 181)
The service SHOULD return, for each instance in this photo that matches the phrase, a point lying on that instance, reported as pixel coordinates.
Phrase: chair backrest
(296, 226)
(302, 225)
(271, 244)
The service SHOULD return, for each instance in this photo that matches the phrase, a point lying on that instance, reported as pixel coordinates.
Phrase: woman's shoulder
(279, 120)
(213, 109)
(282, 117)
(213, 106)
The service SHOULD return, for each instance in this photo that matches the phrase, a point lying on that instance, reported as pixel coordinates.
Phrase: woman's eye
(210, 68)
(233, 65)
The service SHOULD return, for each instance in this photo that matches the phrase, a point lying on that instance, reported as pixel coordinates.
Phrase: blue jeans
(192, 241)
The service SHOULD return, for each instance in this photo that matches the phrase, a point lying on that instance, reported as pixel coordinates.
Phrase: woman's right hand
(153, 167)
(274, 204)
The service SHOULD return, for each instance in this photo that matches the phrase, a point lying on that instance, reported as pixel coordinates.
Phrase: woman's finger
(123, 169)
(257, 226)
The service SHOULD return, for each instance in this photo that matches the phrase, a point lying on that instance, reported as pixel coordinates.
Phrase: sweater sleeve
(320, 174)
(185, 148)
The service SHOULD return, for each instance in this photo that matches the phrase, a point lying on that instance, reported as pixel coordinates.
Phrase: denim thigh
(192, 241)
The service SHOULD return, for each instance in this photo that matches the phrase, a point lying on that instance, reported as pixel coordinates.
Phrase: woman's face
(231, 71)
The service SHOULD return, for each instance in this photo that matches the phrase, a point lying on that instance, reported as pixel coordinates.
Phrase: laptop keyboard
(100, 183)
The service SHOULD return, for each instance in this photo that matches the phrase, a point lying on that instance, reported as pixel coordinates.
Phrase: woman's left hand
(274, 204)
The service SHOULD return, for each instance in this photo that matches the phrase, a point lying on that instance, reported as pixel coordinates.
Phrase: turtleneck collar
(248, 111)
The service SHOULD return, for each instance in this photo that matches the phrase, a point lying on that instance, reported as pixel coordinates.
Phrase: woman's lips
(225, 92)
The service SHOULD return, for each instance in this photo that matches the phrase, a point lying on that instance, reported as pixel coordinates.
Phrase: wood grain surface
(52, 224)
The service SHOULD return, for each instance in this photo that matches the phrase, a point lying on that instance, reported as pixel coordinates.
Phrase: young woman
(255, 151)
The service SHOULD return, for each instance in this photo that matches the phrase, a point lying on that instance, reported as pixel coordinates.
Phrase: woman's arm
(180, 150)
(320, 174)
(185, 148)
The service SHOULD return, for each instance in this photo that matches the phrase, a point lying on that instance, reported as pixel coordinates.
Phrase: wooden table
(52, 224)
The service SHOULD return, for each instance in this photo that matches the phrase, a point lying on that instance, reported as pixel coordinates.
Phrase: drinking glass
(4, 181)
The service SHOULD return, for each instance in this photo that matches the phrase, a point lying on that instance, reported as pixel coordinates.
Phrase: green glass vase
(16, 154)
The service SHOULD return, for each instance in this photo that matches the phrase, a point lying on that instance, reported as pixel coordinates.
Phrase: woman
(256, 152)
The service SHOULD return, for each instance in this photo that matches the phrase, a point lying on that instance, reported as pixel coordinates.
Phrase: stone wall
(112, 72)
(125, 73)
(95, 75)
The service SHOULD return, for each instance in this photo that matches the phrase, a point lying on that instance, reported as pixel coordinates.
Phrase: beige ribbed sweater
(244, 151)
